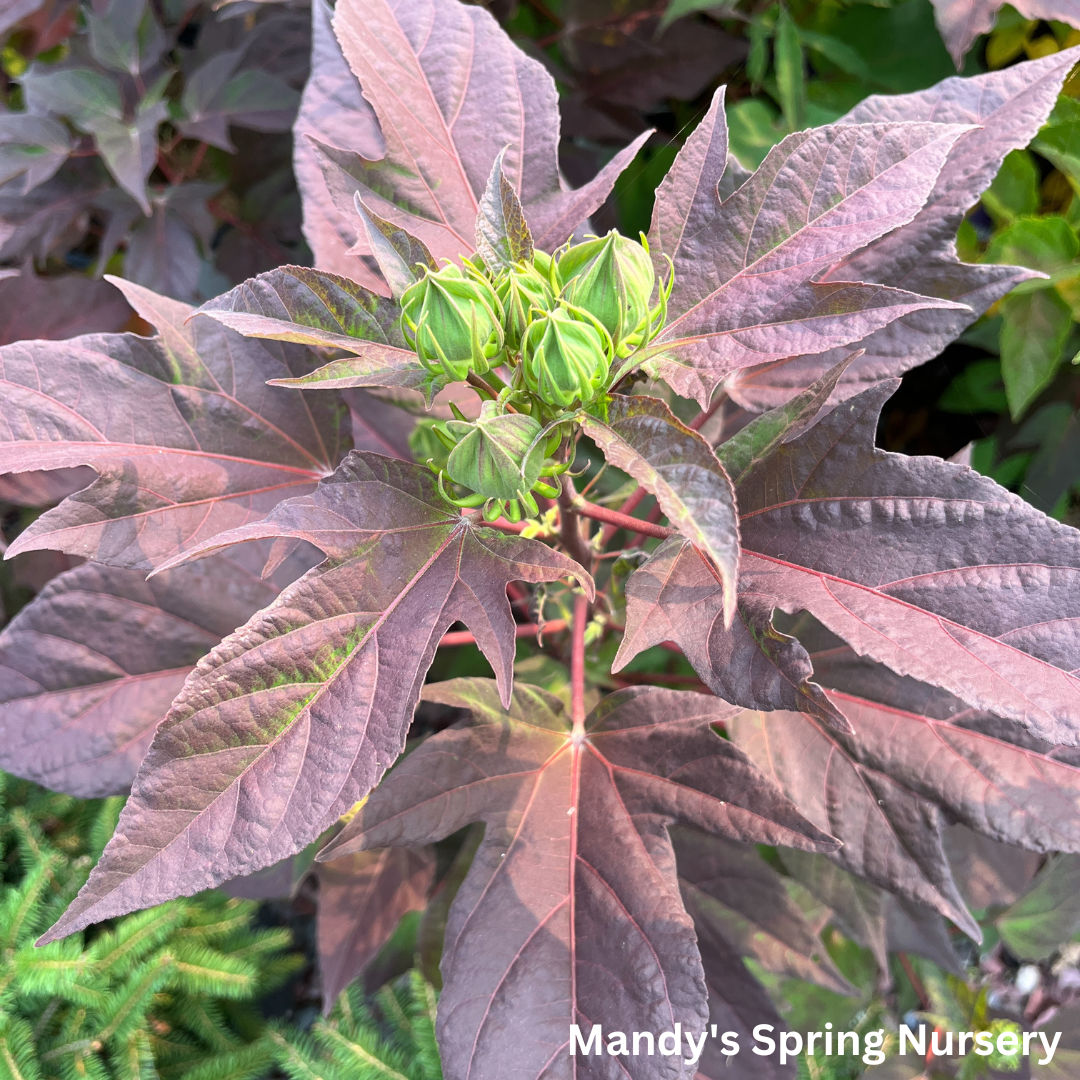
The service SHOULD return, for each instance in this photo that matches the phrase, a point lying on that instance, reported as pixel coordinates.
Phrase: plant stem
(620, 520)
(463, 637)
(628, 507)
(577, 664)
(916, 983)
(569, 531)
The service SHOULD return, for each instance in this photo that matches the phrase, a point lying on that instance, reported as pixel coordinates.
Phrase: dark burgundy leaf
(571, 911)
(395, 250)
(677, 596)
(450, 91)
(58, 307)
(332, 110)
(641, 436)
(295, 716)
(43, 488)
(940, 573)
(1009, 107)
(89, 668)
(731, 891)
(502, 237)
(185, 435)
(989, 873)
(890, 835)
(746, 270)
(362, 898)
(962, 21)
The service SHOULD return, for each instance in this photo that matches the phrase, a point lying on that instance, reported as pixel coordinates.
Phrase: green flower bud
(565, 359)
(522, 291)
(453, 321)
(496, 456)
(612, 278)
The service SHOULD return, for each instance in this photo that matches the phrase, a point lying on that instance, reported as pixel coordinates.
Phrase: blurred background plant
(151, 139)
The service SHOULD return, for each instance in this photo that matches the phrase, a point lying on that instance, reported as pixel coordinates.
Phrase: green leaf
(679, 9)
(1048, 914)
(1035, 328)
(837, 52)
(1041, 243)
(979, 388)
(790, 72)
(641, 436)
(754, 128)
(1059, 140)
(1015, 190)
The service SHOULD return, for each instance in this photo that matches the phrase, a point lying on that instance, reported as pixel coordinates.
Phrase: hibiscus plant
(276, 547)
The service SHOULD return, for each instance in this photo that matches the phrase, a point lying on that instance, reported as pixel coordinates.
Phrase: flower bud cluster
(554, 327)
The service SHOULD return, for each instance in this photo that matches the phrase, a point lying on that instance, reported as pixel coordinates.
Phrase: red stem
(463, 637)
(628, 508)
(577, 663)
(620, 520)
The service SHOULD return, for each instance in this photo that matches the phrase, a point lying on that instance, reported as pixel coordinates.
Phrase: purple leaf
(571, 911)
(362, 898)
(295, 716)
(332, 110)
(941, 574)
(89, 668)
(641, 436)
(450, 91)
(732, 892)
(185, 435)
(746, 289)
(988, 872)
(676, 596)
(58, 307)
(889, 835)
(395, 250)
(1009, 107)
(962, 21)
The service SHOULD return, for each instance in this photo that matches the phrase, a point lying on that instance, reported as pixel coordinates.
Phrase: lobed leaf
(962, 21)
(88, 668)
(571, 911)
(295, 716)
(333, 111)
(732, 892)
(362, 898)
(395, 250)
(1006, 108)
(746, 270)
(185, 435)
(641, 436)
(450, 91)
(936, 577)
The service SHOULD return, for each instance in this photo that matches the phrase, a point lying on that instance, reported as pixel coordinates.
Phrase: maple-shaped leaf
(1008, 108)
(925, 566)
(730, 890)
(296, 715)
(362, 898)
(297, 304)
(737, 1003)
(58, 307)
(451, 90)
(962, 21)
(677, 597)
(641, 436)
(185, 435)
(880, 790)
(89, 668)
(333, 111)
(746, 269)
(571, 913)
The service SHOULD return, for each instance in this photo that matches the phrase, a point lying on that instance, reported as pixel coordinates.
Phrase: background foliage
(152, 140)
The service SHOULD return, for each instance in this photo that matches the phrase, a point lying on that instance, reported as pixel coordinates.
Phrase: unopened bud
(612, 278)
(497, 455)
(565, 358)
(524, 293)
(453, 321)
